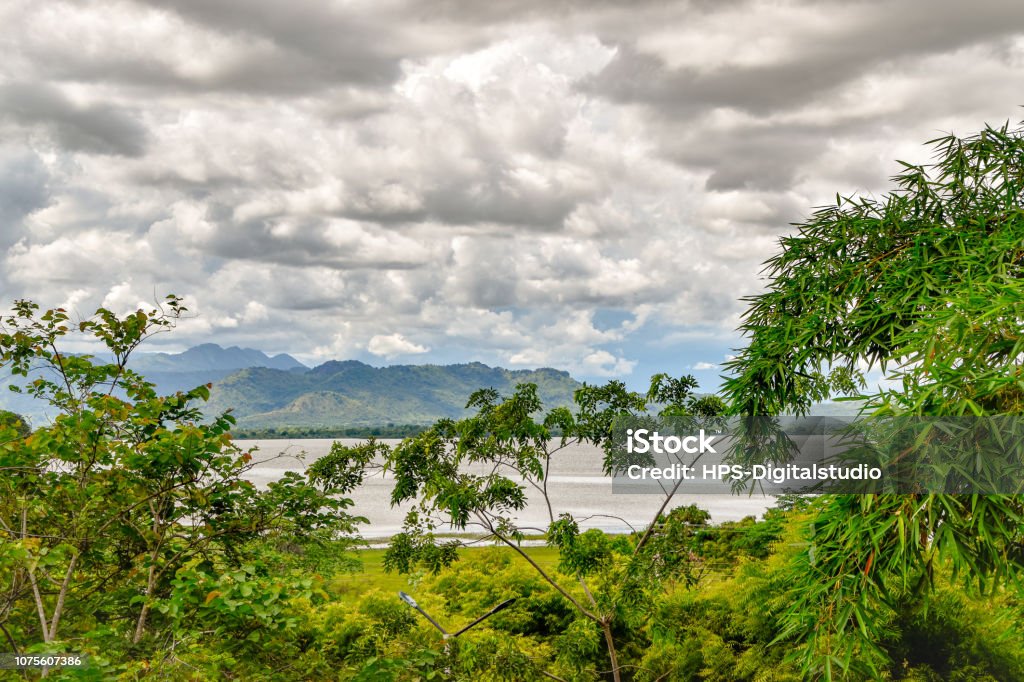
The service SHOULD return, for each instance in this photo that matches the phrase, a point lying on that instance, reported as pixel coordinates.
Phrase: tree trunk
(140, 625)
(158, 531)
(606, 625)
(59, 608)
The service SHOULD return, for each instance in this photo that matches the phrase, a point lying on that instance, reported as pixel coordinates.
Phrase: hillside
(170, 372)
(278, 391)
(352, 393)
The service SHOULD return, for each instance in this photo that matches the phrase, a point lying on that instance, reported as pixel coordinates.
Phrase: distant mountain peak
(336, 366)
(212, 357)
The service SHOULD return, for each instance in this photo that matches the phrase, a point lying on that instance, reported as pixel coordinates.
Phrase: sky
(589, 185)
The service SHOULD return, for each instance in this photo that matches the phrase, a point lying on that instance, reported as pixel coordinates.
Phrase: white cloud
(584, 189)
(254, 312)
(393, 345)
(603, 363)
(122, 299)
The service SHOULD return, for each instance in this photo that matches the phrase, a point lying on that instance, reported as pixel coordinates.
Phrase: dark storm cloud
(24, 189)
(312, 241)
(97, 128)
(269, 72)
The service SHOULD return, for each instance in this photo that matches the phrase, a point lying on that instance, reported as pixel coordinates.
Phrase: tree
(927, 284)
(474, 474)
(14, 420)
(108, 512)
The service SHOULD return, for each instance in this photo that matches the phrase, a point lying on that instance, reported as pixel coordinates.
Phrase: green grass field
(373, 576)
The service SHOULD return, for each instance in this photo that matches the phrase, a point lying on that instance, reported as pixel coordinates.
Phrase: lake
(576, 485)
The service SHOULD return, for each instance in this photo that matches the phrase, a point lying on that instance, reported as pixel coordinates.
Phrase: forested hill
(352, 393)
(278, 391)
(170, 372)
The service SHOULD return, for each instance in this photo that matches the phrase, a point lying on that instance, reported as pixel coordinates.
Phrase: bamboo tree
(925, 284)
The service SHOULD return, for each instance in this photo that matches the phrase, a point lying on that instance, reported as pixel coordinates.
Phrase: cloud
(24, 189)
(99, 128)
(587, 185)
(725, 59)
(218, 46)
(122, 299)
(394, 345)
(603, 363)
(90, 257)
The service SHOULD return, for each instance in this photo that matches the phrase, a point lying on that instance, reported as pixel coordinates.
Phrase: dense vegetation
(129, 527)
(14, 421)
(927, 284)
(130, 533)
(132, 536)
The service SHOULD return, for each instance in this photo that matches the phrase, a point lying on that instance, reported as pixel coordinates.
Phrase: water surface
(576, 485)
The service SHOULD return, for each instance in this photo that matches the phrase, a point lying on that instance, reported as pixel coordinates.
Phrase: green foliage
(674, 549)
(11, 421)
(128, 519)
(676, 398)
(473, 474)
(926, 283)
(926, 280)
(746, 538)
(273, 620)
(243, 603)
(417, 665)
(730, 628)
(726, 630)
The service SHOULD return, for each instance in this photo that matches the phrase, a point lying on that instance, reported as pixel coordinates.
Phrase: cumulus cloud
(99, 128)
(24, 189)
(603, 363)
(393, 345)
(587, 185)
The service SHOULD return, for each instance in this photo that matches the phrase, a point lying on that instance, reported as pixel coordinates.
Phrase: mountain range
(265, 392)
(204, 364)
(211, 357)
(352, 393)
